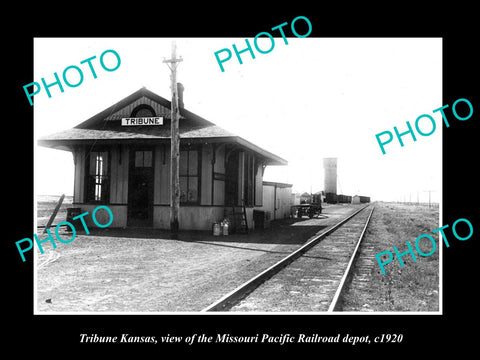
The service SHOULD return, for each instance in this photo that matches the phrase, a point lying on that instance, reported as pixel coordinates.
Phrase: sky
(310, 99)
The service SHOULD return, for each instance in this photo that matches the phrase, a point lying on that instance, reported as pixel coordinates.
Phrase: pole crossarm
(174, 62)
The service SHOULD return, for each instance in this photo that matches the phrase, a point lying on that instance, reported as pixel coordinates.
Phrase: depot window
(97, 179)
(143, 111)
(189, 176)
(143, 159)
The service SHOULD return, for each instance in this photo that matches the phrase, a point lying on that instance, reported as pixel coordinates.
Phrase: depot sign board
(142, 121)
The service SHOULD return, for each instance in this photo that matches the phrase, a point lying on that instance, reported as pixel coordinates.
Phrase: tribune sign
(142, 121)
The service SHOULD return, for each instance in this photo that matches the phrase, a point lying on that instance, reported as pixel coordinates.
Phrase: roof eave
(68, 144)
(273, 159)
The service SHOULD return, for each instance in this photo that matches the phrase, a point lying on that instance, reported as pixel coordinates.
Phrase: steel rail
(334, 304)
(233, 297)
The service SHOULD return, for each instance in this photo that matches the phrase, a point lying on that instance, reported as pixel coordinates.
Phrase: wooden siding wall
(268, 202)
(283, 202)
(118, 172)
(162, 176)
(259, 186)
(161, 190)
(119, 175)
(241, 176)
(206, 175)
(219, 185)
(257, 180)
(119, 215)
(277, 201)
(79, 180)
(190, 217)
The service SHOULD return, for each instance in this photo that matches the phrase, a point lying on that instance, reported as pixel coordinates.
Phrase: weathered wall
(119, 175)
(119, 216)
(277, 201)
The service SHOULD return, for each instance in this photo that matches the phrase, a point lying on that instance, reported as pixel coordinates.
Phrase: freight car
(312, 209)
(344, 199)
(331, 198)
(358, 199)
(364, 199)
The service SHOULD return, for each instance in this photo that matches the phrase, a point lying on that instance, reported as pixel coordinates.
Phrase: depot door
(140, 188)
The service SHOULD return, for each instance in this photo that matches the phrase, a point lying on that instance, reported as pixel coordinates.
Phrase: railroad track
(312, 278)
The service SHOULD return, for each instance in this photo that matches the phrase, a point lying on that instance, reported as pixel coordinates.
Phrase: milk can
(225, 228)
(216, 229)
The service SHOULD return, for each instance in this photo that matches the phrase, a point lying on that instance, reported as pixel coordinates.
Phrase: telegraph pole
(175, 145)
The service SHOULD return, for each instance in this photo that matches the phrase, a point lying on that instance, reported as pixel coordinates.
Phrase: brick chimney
(180, 89)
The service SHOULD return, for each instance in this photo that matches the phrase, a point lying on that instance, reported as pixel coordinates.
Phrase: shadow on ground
(286, 231)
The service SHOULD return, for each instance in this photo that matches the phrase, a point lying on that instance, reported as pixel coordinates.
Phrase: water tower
(330, 185)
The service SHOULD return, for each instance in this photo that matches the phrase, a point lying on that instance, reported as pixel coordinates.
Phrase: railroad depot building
(122, 160)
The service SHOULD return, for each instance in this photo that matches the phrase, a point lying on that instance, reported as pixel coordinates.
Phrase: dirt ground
(142, 270)
(413, 287)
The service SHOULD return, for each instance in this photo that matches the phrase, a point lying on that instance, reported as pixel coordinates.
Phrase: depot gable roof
(106, 127)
